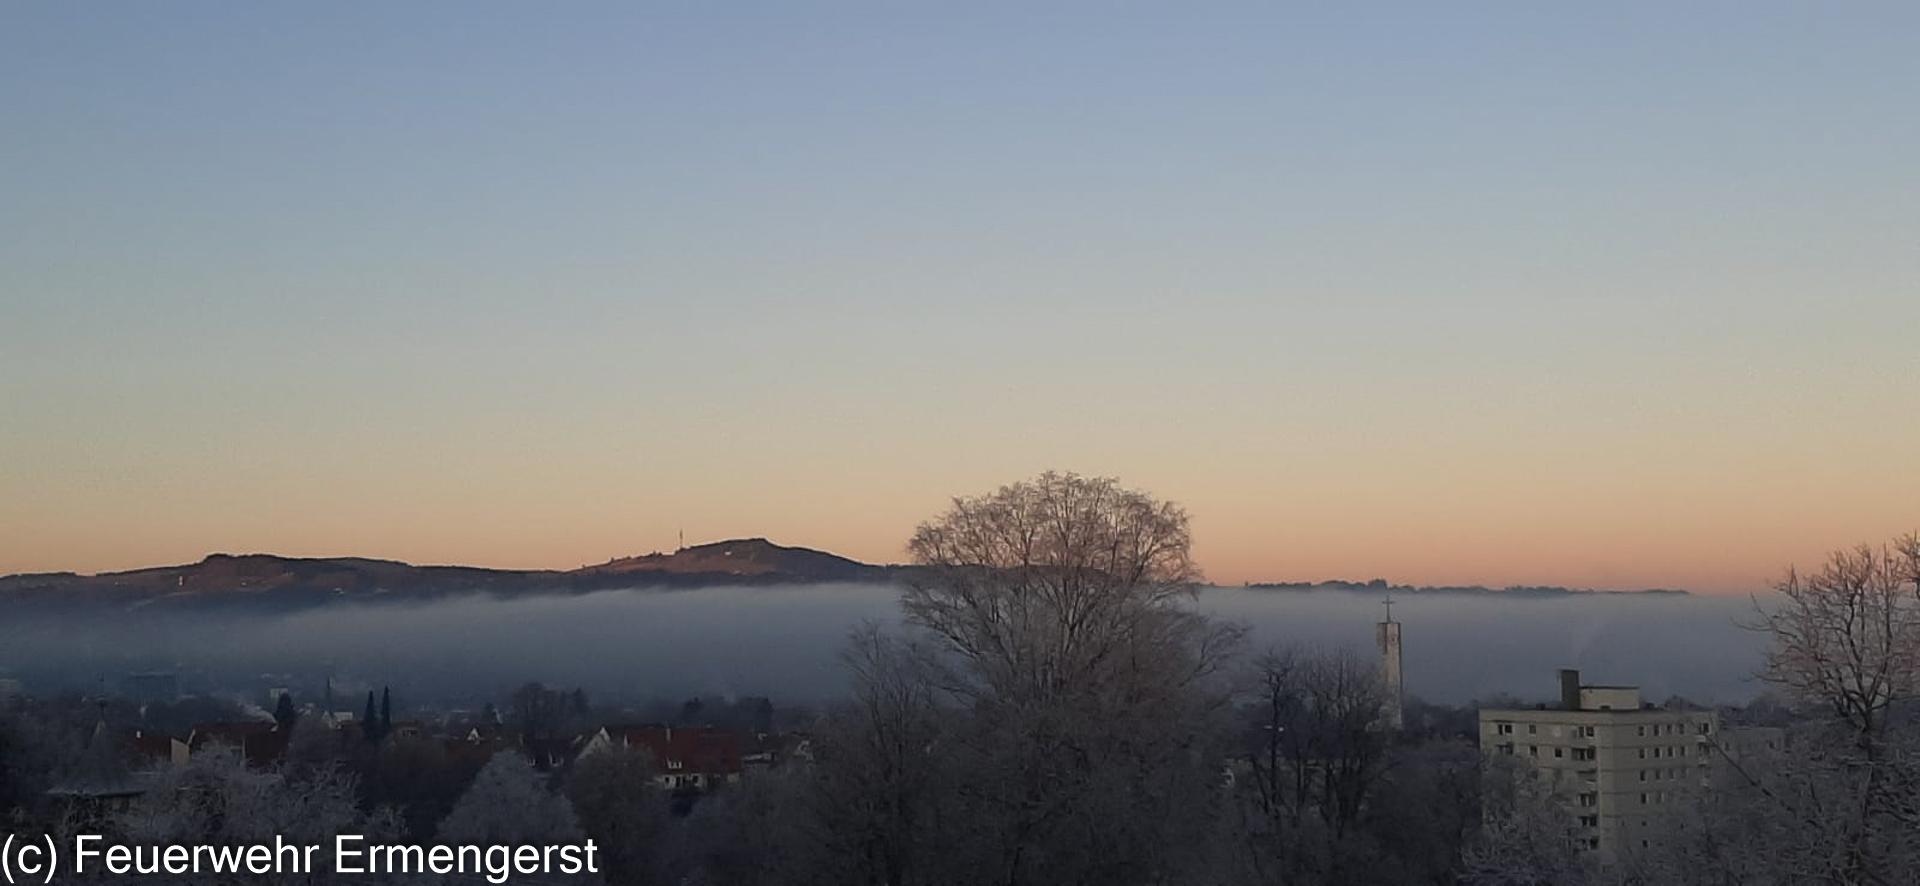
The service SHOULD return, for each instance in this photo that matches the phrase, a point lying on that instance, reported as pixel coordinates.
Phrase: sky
(1598, 295)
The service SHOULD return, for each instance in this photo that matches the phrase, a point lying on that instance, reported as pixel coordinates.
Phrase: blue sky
(539, 284)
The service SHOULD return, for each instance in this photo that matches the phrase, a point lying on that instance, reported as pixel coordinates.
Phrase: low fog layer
(782, 642)
(1463, 646)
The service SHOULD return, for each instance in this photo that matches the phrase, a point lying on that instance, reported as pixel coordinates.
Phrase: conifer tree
(284, 713)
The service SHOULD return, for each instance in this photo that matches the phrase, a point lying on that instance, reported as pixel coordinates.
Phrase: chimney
(1570, 689)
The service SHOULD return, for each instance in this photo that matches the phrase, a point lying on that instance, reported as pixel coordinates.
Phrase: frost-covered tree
(1064, 586)
(766, 832)
(1312, 753)
(881, 769)
(509, 804)
(1525, 836)
(1057, 621)
(1837, 800)
(216, 799)
(618, 805)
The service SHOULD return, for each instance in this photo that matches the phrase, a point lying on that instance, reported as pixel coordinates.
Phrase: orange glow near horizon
(540, 290)
(1508, 539)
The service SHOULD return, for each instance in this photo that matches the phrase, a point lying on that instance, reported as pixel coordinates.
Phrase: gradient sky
(1615, 295)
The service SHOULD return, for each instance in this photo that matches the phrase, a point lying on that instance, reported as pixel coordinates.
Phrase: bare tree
(1848, 637)
(1059, 625)
(509, 804)
(879, 759)
(1907, 549)
(1779, 816)
(1314, 753)
(1063, 584)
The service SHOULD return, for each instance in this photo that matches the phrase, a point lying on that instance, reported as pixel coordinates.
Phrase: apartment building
(1624, 768)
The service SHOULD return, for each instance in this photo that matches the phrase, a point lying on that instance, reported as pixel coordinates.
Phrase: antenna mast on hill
(683, 541)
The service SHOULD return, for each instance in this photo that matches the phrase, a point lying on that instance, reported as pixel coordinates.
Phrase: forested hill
(267, 581)
(1381, 586)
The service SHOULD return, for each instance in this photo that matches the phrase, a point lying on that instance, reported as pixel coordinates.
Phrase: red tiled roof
(702, 750)
(149, 745)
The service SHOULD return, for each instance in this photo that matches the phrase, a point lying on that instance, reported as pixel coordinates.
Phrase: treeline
(1381, 586)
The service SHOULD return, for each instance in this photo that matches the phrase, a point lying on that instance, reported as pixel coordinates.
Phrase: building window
(1532, 729)
(1643, 775)
(1533, 750)
(1642, 729)
(1558, 753)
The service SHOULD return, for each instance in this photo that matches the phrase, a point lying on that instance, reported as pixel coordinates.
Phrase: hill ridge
(255, 579)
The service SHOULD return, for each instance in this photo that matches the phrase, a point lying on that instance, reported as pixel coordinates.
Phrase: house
(156, 749)
(683, 759)
(261, 743)
(593, 743)
(99, 785)
(769, 750)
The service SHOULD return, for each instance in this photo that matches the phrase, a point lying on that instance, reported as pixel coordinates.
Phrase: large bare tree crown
(1063, 581)
(1062, 524)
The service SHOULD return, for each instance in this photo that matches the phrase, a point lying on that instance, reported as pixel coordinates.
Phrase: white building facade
(1623, 769)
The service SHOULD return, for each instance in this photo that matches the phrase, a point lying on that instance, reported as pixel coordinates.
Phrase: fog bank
(783, 642)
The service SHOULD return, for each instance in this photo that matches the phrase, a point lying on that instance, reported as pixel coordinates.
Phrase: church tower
(1387, 634)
